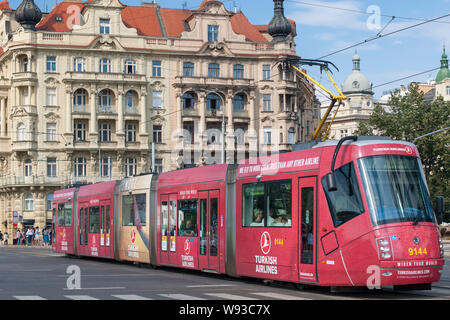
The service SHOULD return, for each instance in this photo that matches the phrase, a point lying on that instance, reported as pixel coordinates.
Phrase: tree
(409, 117)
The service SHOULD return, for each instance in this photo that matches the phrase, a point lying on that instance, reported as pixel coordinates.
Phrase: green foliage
(412, 116)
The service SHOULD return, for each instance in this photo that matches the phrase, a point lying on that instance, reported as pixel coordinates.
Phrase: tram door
(164, 232)
(105, 229)
(173, 229)
(209, 240)
(307, 226)
(83, 227)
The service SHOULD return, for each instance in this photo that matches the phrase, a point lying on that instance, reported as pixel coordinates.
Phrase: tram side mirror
(439, 209)
(331, 182)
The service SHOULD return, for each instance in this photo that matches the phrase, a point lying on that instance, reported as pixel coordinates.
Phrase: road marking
(130, 297)
(279, 296)
(101, 288)
(229, 296)
(210, 285)
(81, 297)
(29, 298)
(179, 296)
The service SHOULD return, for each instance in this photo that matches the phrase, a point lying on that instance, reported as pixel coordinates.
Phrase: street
(39, 274)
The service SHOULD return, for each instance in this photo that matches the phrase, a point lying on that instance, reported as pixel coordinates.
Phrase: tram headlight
(385, 255)
(384, 249)
(384, 242)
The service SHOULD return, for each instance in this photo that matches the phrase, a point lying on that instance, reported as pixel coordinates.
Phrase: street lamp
(223, 118)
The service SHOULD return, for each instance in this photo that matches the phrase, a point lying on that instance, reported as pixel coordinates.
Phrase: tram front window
(396, 189)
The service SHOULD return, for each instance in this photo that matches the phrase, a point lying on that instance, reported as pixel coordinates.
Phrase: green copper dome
(444, 72)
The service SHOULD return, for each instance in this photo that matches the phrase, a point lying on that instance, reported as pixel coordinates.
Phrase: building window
(51, 96)
(105, 165)
(213, 70)
(80, 167)
(158, 166)
(105, 132)
(48, 202)
(130, 67)
(104, 65)
(51, 132)
(26, 96)
(104, 26)
(27, 168)
(21, 132)
(79, 64)
(130, 167)
(213, 101)
(131, 102)
(238, 102)
(104, 101)
(79, 100)
(267, 102)
(51, 167)
(291, 136)
(157, 133)
(266, 72)
(448, 90)
(25, 65)
(188, 69)
(308, 127)
(130, 132)
(29, 202)
(267, 135)
(79, 131)
(51, 64)
(238, 71)
(156, 68)
(157, 99)
(188, 100)
(213, 33)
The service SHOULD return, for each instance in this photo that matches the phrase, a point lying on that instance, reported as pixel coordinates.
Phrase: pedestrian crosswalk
(175, 296)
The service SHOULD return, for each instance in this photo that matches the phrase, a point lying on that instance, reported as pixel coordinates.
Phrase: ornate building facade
(98, 90)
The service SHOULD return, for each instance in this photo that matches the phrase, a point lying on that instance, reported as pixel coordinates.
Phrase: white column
(68, 110)
(93, 124)
(3, 115)
(143, 107)
(120, 126)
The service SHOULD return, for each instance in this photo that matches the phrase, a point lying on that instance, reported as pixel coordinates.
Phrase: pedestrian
(30, 234)
(19, 237)
(1, 238)
(36, 236)
(45, 235)
(6, 236)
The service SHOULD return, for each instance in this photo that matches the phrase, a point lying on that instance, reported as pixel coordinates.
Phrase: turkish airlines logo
(187, 247)
(265, 242)
(408, 150)
(133, 236)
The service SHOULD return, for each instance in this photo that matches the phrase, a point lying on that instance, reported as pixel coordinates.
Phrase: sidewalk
(25, 246)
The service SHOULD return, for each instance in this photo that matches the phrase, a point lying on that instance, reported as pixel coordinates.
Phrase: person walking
(36, 236)
(1, 238)
(6, 236)
(45, 235)
(30, 234)
(19, 237)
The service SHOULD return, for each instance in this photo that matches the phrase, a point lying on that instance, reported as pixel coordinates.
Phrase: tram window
(164, 218)
(94, 219)
(173, 218)
(253, 205)
(187, 218)
(267, 204)
(278, 202)
(134, 209)
(345, 203)
(65, 214)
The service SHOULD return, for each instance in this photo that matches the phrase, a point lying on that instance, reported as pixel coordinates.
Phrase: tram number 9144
(417, 251)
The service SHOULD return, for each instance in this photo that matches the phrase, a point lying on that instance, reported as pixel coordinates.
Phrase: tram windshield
(395, 189)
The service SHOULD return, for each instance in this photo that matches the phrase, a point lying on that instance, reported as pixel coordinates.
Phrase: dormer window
(58, 19)
(213, 33)
(104, 26)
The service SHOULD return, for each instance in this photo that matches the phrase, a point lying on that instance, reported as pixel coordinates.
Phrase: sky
(324, 27)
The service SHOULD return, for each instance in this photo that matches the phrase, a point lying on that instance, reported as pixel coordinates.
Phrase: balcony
(24, 145)
(213, 81)
(190, 112)
(30, 180)
(105, 76)
(24, 76)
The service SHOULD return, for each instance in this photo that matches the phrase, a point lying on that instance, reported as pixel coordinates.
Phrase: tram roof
(201, 174)
(97, 188)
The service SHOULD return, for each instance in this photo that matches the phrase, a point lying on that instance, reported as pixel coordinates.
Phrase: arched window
(105, 65)
(79, 99)
(291, 136)
(213, 101)
(21, 132)
(27, 168)
(105, 100)
(29, 202)
(188, 100)
(131, 101)
(238, 102)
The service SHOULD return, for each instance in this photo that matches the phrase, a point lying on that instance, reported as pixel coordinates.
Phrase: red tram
(351, 213)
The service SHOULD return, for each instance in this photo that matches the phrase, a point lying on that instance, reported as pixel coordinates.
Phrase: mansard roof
(151, 21)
